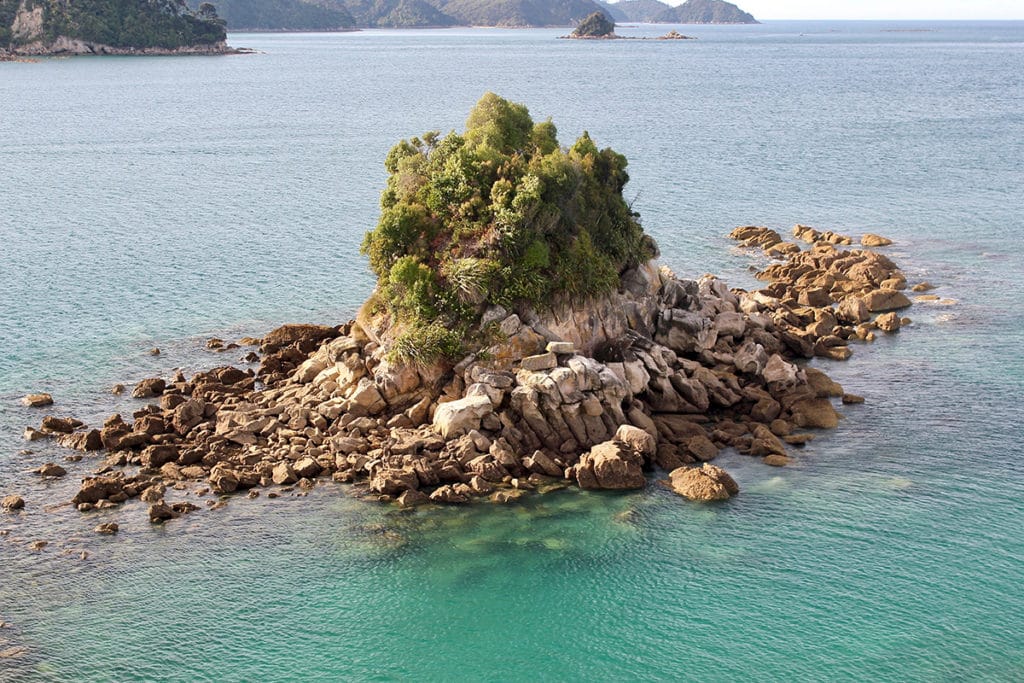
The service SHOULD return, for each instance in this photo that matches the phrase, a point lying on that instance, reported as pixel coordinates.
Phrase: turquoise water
(157, 202)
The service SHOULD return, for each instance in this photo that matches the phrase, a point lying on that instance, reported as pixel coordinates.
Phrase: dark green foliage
(424, 343)
(286, 15)
(644, 11)
(705, 12)
(499, 214)
(399, 13)
(120, 23)
(597, 25)
(8, 9)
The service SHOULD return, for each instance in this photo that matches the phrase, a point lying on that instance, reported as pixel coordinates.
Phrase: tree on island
(500, 214)
(597, 25)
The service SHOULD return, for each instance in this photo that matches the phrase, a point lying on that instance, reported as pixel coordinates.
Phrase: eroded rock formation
(663, 373)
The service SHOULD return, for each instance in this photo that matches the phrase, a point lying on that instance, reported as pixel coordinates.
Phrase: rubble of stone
(665, 374)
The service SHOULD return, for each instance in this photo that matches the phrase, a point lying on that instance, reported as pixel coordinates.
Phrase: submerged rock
(37, 400)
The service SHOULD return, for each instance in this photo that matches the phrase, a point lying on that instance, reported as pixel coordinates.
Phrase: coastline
(68, 47)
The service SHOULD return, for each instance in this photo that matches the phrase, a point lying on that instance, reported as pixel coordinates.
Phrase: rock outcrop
(664, 373)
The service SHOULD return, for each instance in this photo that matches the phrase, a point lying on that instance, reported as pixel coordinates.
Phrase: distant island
(54, 27)
(690, 12)
(599, 27)
(335, 15)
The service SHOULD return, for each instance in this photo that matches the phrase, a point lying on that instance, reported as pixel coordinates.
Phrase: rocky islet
(663, 373)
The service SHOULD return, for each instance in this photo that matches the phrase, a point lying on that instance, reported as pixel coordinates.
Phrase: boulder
(223, 479)
(307, 468)
(12, 503)
(562, 347)
(815, 413)
(543, 361)
(852, 310)
(148, 388)
(638, 439)
(57, 425)
(33, 434)
(705, 483)
(155, 457)
(108, 528)
(303, 334)
(160, 512)
(455, 418)
(187, 415)
(541, 463)
(368, 396)
(37, 400)
(96, 489)
(881, 300)
(153, 494)
(91, 440)
(51, 469)
(448, 494)
(701, 448)
(815, 297)
(872, 240)
(392, 481)
(750, 358)
(283, 474)
(610, 465)
(412, 498)
(888, 322)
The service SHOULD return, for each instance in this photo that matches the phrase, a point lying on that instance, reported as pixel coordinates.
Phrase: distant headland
(109, 27)
(336, 15)
(163, 27)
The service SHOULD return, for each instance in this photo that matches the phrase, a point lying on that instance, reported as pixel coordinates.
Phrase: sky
(880, 9)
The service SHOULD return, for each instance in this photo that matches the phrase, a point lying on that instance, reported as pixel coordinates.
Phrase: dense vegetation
(705, 12)
(331, 14)
(118, 23)
(8, 8)
(597, 25)
(398, 13)
(641, 11)
(500, 214)
(286, 15)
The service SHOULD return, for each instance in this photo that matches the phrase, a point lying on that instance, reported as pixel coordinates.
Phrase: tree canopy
(597, 25)
(499, 214)
(118, 23)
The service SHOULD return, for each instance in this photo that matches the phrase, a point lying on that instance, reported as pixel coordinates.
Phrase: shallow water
(157, 202)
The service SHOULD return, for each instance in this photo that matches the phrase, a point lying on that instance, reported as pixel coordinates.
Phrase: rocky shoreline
(63, 46)
(662, 374)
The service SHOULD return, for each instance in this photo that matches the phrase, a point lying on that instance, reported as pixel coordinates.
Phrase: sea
(158, 202)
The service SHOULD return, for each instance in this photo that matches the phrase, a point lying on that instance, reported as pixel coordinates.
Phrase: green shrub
(498, 214)
(425, 343)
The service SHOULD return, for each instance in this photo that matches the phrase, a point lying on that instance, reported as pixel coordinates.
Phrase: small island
(109, 27)
(598, 26)
(595, 26)
(521, 338)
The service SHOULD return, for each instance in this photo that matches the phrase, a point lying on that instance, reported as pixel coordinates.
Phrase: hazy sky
(880, 9)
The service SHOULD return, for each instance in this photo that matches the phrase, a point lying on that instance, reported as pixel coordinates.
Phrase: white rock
(459, 417)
